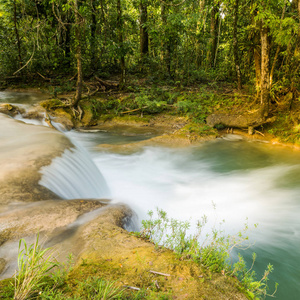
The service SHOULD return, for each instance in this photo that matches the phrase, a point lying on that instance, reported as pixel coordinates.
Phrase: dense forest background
(178, 42)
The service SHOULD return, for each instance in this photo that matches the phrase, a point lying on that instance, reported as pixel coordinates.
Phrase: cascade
(74, 175)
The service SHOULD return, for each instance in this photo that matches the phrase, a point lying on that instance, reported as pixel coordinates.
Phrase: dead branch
(72, 77)
(105, 84)
(256, 131)
(129, 111)
(30, 59)
(45, 78)
(131, 287)
(159, 273)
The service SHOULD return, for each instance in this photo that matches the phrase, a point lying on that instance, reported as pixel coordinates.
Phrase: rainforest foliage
(178, 42)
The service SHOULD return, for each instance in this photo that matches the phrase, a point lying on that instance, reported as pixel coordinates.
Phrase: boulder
(11, 110)
(249, 121)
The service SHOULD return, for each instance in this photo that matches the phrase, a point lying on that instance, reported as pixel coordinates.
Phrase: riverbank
(169, 130)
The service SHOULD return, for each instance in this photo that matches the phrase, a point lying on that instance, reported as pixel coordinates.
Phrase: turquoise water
(242, 180)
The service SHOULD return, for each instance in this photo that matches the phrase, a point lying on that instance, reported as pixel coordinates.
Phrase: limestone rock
(43, 217)
(24, 149)
(237, 120)
(11, 110)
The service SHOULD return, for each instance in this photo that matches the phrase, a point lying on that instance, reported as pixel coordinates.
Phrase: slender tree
(17, 33)
(213, 40)
(120, 25)
(235, 44)
(78, 93)
(265, 70)
(144, 37)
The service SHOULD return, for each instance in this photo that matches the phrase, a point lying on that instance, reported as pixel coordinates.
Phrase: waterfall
(74, 176)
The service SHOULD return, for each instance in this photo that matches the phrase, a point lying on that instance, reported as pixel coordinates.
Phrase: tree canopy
(254, 42)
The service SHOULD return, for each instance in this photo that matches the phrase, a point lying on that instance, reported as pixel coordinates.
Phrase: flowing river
(227, 179)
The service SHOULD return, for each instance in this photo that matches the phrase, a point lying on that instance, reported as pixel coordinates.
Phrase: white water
(74, 175)
(231, 181)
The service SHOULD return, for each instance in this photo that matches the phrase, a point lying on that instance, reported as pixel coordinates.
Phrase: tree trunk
(144, 37)
(235, 45)
(120, 33)
(67, 43)
(166, 44)
(278, 47)
(78, 55)
(200, 30)
(93, 36)
(17, 34)
(212, 44)
(265, 72)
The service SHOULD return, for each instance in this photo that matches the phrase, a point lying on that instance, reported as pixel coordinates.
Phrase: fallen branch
(256, 131)
(107, 84)
(30, 59)
(159, 273)
(129, 111)
(45, 78)
(72, 77)
(131, 287)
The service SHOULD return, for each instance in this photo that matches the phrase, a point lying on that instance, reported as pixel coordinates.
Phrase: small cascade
(74, 176)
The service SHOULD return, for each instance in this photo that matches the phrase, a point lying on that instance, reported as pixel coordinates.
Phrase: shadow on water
(22, 97)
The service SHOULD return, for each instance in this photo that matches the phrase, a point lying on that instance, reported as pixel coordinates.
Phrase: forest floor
(177, 111)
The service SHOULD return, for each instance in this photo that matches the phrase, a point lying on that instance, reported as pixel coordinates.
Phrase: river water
(227, 179)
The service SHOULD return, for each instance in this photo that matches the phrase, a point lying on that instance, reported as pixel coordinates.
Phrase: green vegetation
(40, 276)
(213, 250)
(78, 45)
(33, 265)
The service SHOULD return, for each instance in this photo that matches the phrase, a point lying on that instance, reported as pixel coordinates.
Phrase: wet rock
(104, 249)
(35, 112)
(88, 117)
(63, 117)
(238, 120)
(43, 217)
(2, 265)
(11, 110)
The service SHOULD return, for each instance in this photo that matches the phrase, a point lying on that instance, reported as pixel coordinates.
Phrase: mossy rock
(51, 103)
(88, 117)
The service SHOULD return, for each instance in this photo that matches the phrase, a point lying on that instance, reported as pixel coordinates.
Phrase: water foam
(74, 175)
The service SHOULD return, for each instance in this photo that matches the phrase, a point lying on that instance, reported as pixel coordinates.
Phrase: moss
(7, 289)
(51, 103)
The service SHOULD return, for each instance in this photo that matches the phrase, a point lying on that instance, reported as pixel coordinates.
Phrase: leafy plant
(33, 264)
(213, 250)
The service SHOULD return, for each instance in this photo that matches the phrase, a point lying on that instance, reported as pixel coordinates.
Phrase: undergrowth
(212, 250)
(40, 276)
